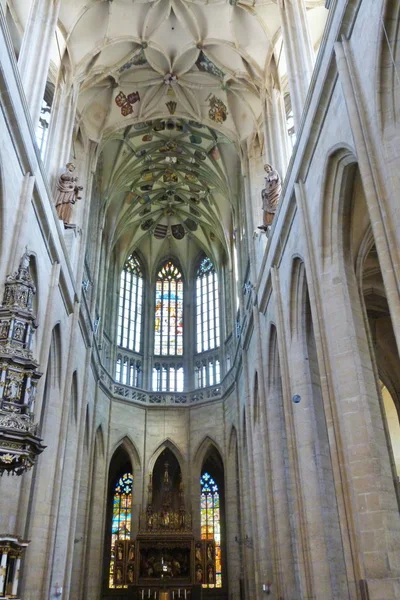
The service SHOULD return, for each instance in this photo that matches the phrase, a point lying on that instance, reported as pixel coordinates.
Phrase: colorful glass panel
(210, 520)
(129, 327)
(168, 326)
(207, 307)
(121, 518)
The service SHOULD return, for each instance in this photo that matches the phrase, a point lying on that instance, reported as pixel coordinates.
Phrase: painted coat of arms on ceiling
(125, 103)
(218, 111)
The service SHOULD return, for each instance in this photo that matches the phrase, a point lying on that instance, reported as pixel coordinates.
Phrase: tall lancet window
(121, 524)
(211, 524)
(207, 306)
(168, 326)
(129, 331)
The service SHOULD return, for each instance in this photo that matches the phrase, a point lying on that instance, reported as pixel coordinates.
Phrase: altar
(164, 561)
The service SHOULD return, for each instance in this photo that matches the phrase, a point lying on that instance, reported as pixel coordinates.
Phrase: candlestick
(154, 595)
(179, 593)
(142, 594)
(185, 594)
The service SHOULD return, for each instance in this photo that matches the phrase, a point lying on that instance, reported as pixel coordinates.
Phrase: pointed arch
(86, 435)
(99, 442)
(168, 323)
(167, 443)
(233, 440)
(339, 172)
(205, 447)
(55, 357)
(74, 408)
(121, 481)
(212, 506)
(297, 295)
(125, 443)
(256, 401)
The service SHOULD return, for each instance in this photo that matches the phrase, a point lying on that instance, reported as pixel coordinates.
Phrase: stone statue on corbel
(67, 194)
(270, 195)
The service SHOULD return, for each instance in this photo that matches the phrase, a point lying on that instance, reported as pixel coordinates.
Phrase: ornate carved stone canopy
(19, 375)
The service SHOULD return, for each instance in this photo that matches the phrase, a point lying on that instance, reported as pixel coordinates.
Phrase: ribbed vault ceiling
(169, 89)
(173, 181)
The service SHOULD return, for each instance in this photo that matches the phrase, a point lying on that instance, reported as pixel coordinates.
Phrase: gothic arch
(129, 447)
(99, 442)
(233, 440)
(55, 357)
(167, 443)
(34, 271)
(206, 447)
(164, 258)
(340, 168)
(298, 281)
(74, 408)
(256, 401)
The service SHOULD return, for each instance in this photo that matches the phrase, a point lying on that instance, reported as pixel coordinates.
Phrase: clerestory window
(207, 307)
(129, 332)
(168, 326)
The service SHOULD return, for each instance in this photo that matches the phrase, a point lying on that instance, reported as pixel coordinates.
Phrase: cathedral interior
(199, 299)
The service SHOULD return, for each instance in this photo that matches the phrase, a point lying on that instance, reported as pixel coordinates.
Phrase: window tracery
(211, 521)
(168, 325)
(129, 330)
(207, 307)
(121, 518)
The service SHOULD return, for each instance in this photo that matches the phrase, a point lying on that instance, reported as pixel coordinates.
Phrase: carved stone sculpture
(19, 375)
(67, 193)
(270, 195)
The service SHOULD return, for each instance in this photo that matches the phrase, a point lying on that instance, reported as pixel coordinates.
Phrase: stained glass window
(207, 307)
(130, 305)
(121, 517)
(211, 521)
(168, 326)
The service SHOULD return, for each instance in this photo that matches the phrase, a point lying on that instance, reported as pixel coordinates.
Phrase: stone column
(61, 129)
(298, 51)
(16, 576)
(3, 565)
(275, 134)
(34, 58)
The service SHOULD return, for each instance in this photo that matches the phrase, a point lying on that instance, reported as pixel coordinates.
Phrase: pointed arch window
(210, 518)
(121, 519)
(168, 326)
(207, 306)
(129, 331)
